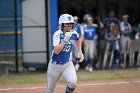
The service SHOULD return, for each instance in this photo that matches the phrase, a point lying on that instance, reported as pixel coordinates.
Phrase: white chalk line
(79, 85)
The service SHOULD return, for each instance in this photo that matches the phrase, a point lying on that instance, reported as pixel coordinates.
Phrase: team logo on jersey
(69, 18)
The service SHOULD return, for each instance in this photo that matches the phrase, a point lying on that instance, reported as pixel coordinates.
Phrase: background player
(137, 37)
(90, 35)
(112, 41)
(61, 61)
(78, 28)
(126, 29)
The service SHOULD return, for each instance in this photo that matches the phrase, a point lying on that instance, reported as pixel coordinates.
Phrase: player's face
(76, 21)
(111, 14)
(90, 22)
(125, 19)
(68, 27)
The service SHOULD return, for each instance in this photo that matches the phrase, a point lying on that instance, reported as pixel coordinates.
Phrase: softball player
(78, 28)
(125, 28)
(112, 41)
(89, 43)
(137, 37)
(61, 61)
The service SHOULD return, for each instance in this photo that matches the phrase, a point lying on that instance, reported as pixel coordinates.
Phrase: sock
(69, 90)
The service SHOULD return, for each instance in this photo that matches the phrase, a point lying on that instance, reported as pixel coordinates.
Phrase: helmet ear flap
(62, 26)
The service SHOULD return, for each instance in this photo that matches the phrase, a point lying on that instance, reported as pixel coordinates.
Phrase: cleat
(90, 69)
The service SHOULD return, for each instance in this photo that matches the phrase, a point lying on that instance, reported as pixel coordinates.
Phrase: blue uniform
(90, 31)
(107, 23)
(78, 29)
(125, 27)
(90, 46)
(112, 44)
(65, 55)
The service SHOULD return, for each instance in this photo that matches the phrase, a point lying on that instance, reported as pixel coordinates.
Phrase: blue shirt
(112, 44)
(65, 55)
(90, 31)
(78, 29)
(107, 23)
(125, 27)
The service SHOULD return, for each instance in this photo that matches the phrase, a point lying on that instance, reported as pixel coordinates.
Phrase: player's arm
(81, 38)
(58, 47)
(129, 30)
(123, 30)
(79, 50)
(137, 36)
(78, 43)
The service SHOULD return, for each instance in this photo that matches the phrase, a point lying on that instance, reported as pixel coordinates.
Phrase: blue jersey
(78, 29)
(90, 31)
(107, 23)
(109, 35)
(125, 27)
(138, 28)
(65, 55)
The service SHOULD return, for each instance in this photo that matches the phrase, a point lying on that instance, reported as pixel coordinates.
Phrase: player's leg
(86, 53)
(53, 75)
(91, 54)
(70, 76)
(123, 52)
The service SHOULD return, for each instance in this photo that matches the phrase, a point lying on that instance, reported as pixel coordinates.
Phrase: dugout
(101, 7)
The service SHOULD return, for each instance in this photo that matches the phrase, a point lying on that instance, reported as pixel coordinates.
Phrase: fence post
(16, 37)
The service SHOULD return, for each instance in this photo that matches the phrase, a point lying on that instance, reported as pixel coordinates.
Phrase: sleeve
(56, 39)
(76, 35)
(121, 26)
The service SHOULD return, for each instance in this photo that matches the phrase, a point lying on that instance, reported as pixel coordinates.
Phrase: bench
(5, 65)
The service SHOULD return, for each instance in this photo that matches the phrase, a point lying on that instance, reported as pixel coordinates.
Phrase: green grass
(108, 75)
(23, 78)
(35, 78)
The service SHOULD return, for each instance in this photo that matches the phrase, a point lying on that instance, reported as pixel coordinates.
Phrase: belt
(54, 62)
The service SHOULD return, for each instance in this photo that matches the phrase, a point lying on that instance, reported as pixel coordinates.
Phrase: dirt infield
(102, 86)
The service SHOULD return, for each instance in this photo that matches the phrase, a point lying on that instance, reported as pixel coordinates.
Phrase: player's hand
(137, 37)
(67, 36)
(80, 56)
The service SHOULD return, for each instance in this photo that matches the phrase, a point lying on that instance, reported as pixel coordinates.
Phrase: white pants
(55, 71)
(125, 44)
(89, 49)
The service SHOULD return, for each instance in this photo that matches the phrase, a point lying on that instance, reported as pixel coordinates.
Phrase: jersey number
(67, 48)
